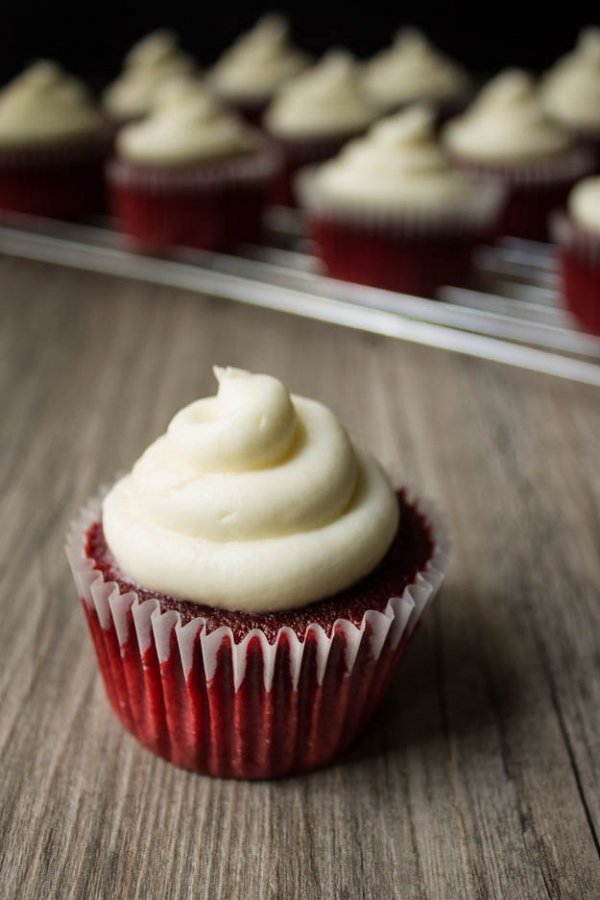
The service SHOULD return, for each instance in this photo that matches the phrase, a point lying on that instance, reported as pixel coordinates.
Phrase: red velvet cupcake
(249, 74)
(190, 175)
(253, 584)
(506, 139)
(313, 116)
(390, 211)
(577, 233)
(52, 146)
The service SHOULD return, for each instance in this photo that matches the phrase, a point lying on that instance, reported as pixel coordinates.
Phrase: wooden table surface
(481, 776)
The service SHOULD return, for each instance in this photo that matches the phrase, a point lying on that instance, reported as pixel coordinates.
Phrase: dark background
(90, 39)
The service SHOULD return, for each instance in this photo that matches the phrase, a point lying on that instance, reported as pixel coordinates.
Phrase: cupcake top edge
(412, 69)
(154, 59)
(584, 204)
(186, 126)
(398, 165)
(506, 124)
(45, 104)
(326, 99)
(571, 89)
(253, 500)
(258, 63)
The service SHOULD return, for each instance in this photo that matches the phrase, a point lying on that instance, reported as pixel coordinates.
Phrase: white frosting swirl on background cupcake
(506, 124)
(412, 69)
(45, 105)
(328, 99)
(252, 500)
(186, 126)
(397, 165)
(584, 204)
(571, 89)
(148, 65)
(258, 62)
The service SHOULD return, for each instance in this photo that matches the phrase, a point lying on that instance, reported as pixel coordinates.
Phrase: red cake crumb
(411, 550)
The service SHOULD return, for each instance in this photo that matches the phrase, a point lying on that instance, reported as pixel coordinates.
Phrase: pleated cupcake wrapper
(198, 699)
(579, 241)
(153, 626)
(477, 215)
(254, 169)
(564, 168)
(73, 152)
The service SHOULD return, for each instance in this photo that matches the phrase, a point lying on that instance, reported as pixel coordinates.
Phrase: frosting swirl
(185, 126)
(506, 123)
(584, 204)
(397, 165)
(412, 69)
(571, 89)
(46, 105)
(149, 63)
(258, 62)
(328, 99)
(252, 500)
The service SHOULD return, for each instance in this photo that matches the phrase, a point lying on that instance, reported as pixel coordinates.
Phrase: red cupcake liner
(399, 250)
(56, 182)
(215, 206)
(295, 153)
(252, 708)
(579, 271)
(533, 190)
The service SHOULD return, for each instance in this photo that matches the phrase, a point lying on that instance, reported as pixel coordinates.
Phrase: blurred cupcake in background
(314, 115)
(505, 137)
(248, 75)
(411, 71)
(148, 65)
(578, 235)
(571, 91)
(190, 174)
(391, 211)
(52, 145)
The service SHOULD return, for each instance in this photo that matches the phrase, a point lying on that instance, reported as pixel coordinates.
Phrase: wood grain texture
(481, 777)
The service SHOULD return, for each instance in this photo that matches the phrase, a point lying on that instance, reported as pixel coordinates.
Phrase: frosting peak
(506, 123)
(185, 126)
(149, 63)
(412, 69)
(571, 89)
(259, 61)
(326, 99)
(46, 105)
(253, 499)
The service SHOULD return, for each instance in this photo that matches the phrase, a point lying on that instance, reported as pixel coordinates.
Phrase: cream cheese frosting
(45, 105)
(149, 63)
(506, 124)
(399, 165)
(186, 126)
(327, 99)
(258, 63)
(412, 69)
(571, 89)
(584, 204)
(252, 500)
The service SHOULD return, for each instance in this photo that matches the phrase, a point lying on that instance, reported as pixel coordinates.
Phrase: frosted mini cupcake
(505, 137)
(391, 211)
(190, 174)
(52, 145)
(248, 75)
(571, 91)
(315, 115)
(252, 585)
(578, 236)
(148, 66)
(411, 71)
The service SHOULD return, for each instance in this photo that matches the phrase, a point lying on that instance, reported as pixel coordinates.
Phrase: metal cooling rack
(510, 313)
